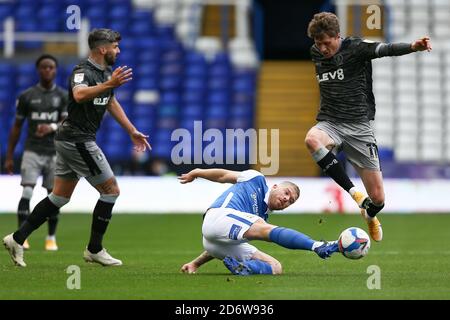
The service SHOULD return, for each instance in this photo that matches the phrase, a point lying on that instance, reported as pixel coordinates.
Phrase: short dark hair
(323, 23)
(45, 56)
(98, 37)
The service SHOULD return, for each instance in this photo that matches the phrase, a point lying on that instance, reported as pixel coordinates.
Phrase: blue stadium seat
(218, 97)
(195, 70)
(218, 83)
(243, 123)
(243, 85)
(141, 28)
(168, 110)
(243, 97)
(119, 25)
(6, 68)
(142, 15)
(148, 56)
(193, 96)
(98, 23)
(170, 97)
(170, 82)
(119, 13)
(217, 111)
(241, 110)
(165, 32)
(219, 71)
(24, 11)
(147, 70)
(171, 69)
(195, 84)
(6, 10)
(192, 111)
(162, 149)
(147, 83)
(144, 111)
(96, 13)
(144, 125)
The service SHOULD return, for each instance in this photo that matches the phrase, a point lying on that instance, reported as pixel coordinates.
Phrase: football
(354, 243)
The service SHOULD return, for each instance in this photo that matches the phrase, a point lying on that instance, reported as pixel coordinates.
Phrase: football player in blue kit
(239, 215)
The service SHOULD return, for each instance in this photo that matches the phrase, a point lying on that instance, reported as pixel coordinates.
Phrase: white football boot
(102, 257)
(15, 250)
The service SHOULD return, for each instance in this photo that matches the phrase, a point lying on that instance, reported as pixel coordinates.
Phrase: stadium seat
(193, 96)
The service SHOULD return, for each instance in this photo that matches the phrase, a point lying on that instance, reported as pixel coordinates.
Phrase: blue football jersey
(250, 194)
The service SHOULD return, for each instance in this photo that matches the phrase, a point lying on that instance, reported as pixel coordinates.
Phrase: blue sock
(258, 266)
(290, 239)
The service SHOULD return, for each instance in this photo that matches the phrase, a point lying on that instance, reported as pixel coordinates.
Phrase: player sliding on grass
(347, 107)
(239, 215)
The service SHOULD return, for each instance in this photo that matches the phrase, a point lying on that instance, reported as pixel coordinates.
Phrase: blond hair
(292, 185)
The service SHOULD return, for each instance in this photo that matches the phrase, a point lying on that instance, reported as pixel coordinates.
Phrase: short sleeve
(79, 78)
(248, 175)
(21, 107)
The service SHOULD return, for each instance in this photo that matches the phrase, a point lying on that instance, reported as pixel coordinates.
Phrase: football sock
(373, 209)
(291, 239)
(23, 210)
(52, 223)
(333, 168)
(100, 220)
(41, 212)
(258, 266)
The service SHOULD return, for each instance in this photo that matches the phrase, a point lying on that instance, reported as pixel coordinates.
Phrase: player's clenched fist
(422, 44)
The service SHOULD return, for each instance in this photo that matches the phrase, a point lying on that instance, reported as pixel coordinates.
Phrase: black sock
(52, 223)
(373, 209)
(23, 210)
(40, 213)
(333, 168)
(100, 221)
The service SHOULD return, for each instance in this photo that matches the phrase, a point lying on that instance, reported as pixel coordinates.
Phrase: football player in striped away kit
(77, 155)
(347, 110)
(44, 106)
(239, 215)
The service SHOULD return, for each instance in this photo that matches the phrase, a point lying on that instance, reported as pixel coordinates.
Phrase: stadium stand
(179, 76)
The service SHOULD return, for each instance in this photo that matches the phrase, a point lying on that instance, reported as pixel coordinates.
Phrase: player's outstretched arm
(138, 138)
(400, 49)
(119, 76)
(191, 267)
(216, 175)
(14, 135)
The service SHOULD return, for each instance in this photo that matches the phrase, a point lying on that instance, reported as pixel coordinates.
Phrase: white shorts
(223, 230)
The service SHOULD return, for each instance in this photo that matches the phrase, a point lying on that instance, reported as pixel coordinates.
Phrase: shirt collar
(96, 65)
(45, 89)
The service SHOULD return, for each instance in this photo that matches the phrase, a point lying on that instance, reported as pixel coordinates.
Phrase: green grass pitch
(414, 260)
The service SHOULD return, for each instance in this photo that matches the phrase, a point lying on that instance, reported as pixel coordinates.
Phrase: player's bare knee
(312, 142)
(377, 197)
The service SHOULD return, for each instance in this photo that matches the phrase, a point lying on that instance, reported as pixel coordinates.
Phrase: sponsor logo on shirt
(255, 203)
(101, 101)
(337, 74)
(45, 116)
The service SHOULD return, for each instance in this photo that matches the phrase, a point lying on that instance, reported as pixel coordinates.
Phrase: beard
(110, 59)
